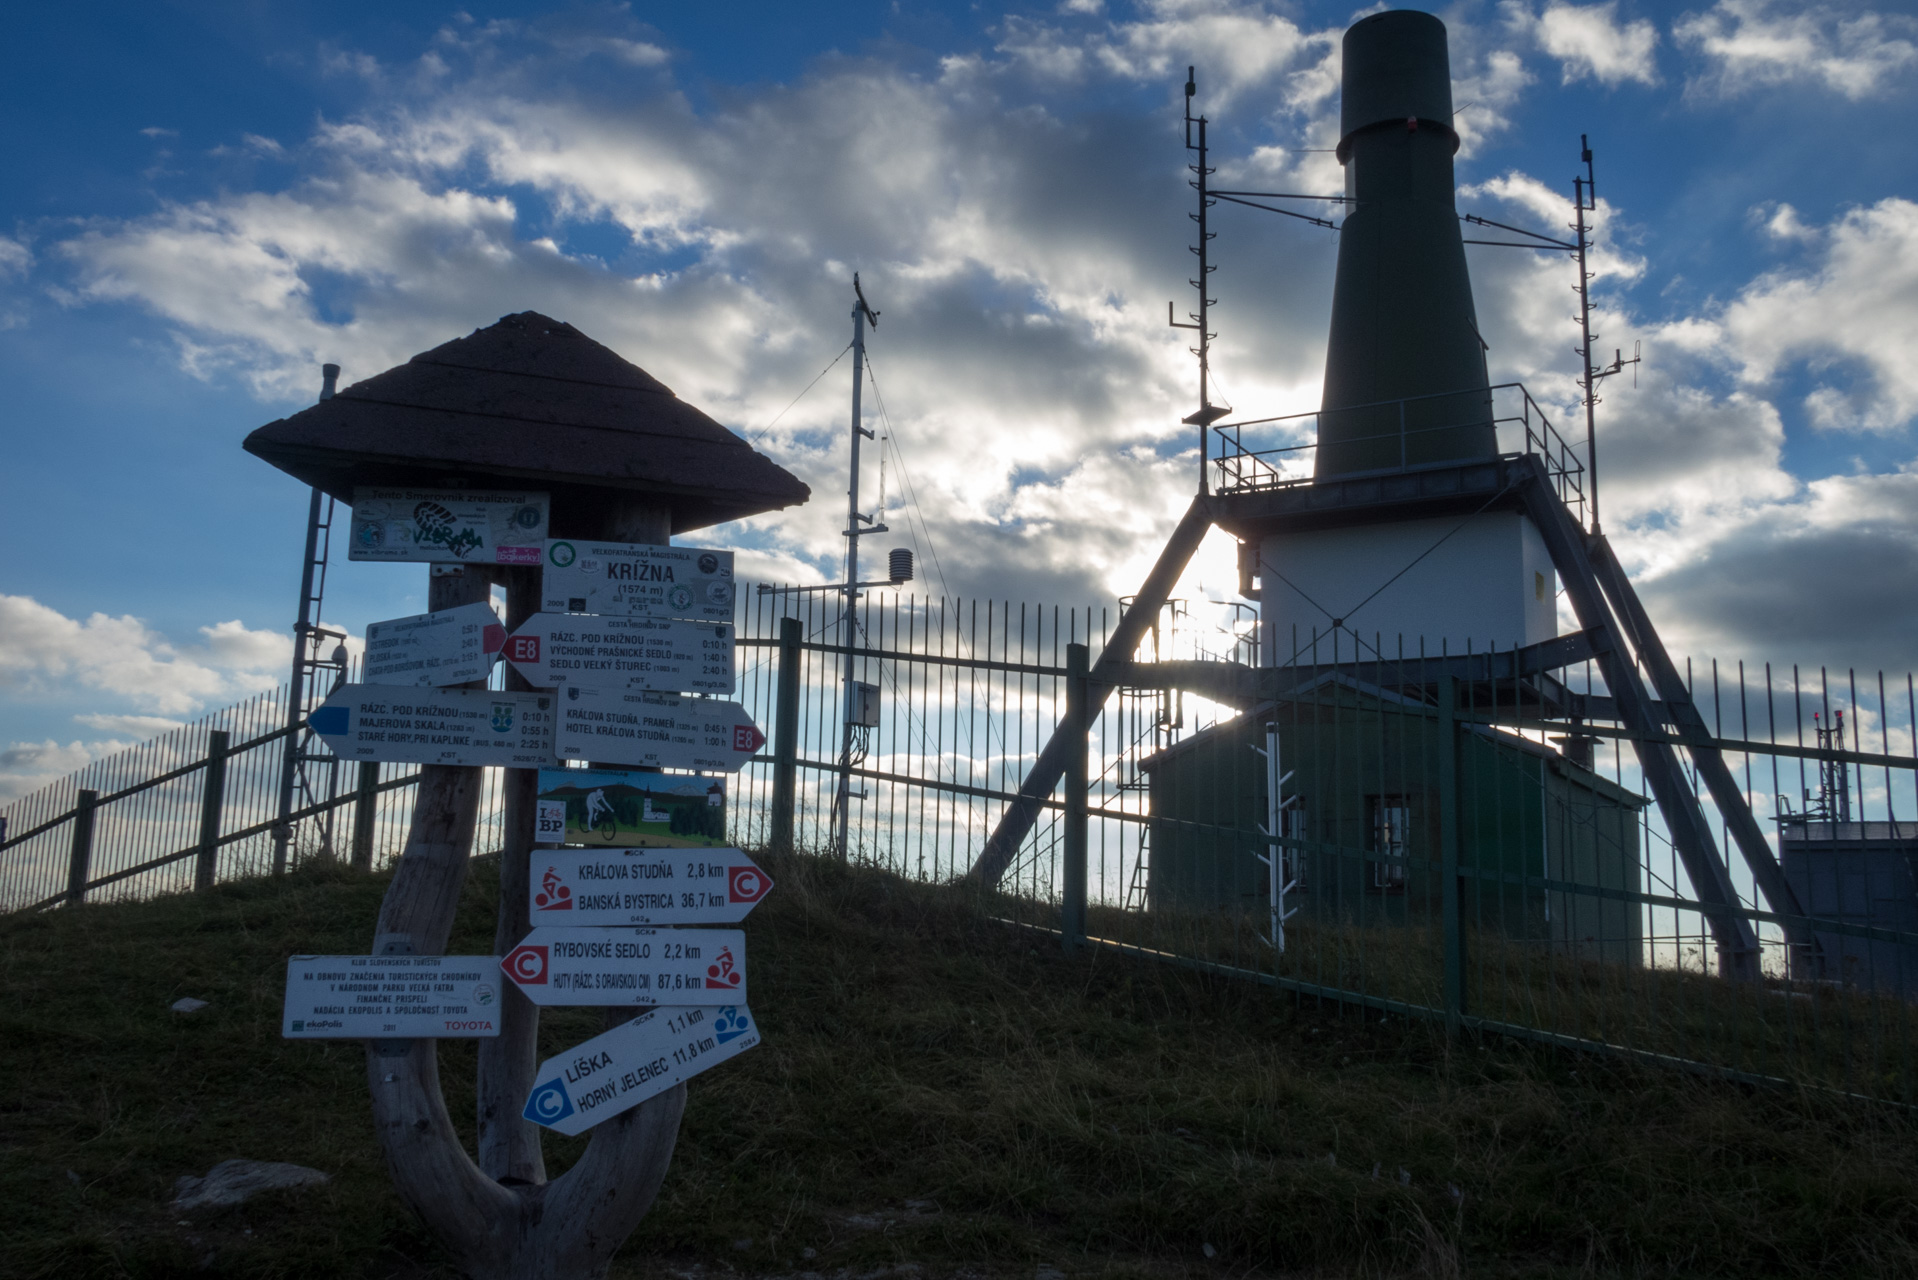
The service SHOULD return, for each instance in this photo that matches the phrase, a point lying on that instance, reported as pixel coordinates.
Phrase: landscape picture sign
(643, 887)
(390, 997)
(672, 655)
(662, 730)
(610, 965)
(459, 526)
(452, 646)
(619, 1069)
(637, 580)
(617, 808)
(410, 725)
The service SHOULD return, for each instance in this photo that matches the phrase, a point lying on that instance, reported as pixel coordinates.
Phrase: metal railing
(1457, 851)
(1520, 423)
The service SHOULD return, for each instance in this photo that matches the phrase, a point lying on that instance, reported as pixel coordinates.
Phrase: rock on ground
(232, 1182)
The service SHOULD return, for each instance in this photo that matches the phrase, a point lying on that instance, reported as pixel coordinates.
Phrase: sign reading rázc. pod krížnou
(643, 887)
(409, 725)
(603, 965)
(663, 730)
(637, 580)
(434, 650)
(671, 655)
(619, 1069)
(390, 997)
(457, 526)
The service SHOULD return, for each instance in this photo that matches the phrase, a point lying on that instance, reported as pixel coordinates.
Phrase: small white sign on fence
(604, 965)
(390, 997)
(451, 646)
(664, 730)
(637, 580)
(672, 655)
(437, 726)
(616, 1071)
(460, 526)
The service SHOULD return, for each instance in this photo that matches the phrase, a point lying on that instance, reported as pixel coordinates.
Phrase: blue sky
(207, 200)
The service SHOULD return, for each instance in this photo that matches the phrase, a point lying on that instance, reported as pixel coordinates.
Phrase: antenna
(862, 313)
(1208, 413)
(1584, 201)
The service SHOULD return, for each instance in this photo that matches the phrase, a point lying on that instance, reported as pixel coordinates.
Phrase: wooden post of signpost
(528, 404)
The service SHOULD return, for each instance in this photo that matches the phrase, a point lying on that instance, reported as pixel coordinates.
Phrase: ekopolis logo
(562, 554)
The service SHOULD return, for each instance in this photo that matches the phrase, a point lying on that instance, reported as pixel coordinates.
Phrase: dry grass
(936, 1090)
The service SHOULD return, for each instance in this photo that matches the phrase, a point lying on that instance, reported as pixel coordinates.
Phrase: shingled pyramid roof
(530, 403)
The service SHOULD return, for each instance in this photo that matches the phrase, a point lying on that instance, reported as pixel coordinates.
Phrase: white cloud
(1589, 41)
(28, 766)
(1855, 308)
(1749, 45)
(43, 651)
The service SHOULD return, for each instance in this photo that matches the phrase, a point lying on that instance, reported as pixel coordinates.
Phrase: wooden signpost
(545, 437)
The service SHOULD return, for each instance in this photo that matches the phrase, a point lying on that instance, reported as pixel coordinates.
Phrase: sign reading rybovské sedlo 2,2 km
(620, 966)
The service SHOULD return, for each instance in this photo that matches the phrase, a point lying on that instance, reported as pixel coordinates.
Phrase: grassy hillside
(933, 1089)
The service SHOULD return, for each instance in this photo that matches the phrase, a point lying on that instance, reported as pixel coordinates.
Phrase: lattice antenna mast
(862, 314)
(1584, 201)
(1208, 413)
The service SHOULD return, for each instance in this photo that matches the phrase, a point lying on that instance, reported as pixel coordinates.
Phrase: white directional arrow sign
(644, 886)
(618, 1070)
(435, 649)
(437, 726)
(629, 966)
(665, 730)
(637, 580)
(561, 651)
(390, 997)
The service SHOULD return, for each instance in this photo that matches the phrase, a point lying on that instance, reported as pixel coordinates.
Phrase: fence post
(80, 862)
(1451, 906)
(366, 809)
(212, 805)
(786, 734)
(1073, 873)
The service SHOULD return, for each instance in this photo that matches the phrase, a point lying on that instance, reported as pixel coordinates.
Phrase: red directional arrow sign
(602, 966)
(644, 886)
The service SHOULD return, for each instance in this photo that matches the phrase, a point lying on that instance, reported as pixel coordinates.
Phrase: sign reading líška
(619, 1069)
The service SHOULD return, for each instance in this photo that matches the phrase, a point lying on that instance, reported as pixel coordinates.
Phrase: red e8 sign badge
(522, 649)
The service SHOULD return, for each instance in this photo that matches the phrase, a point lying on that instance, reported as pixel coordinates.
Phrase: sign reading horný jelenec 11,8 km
(409, 725)
(637, 580)
(643, 886)
(451, 646)
(448, 526)
(619, 1069)
(669, 655)
(605, 965)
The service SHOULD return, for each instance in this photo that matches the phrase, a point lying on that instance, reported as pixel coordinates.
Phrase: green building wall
(1365, 767)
